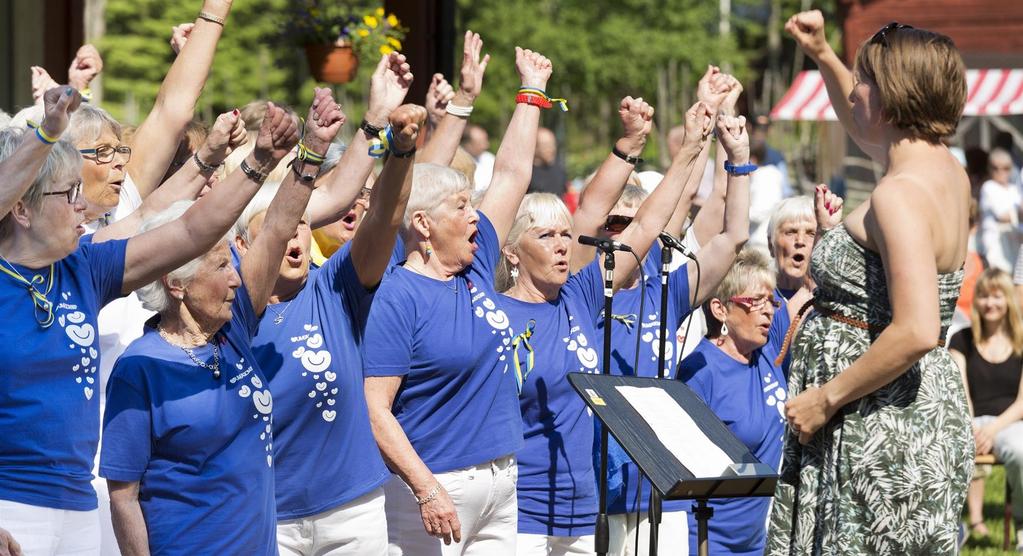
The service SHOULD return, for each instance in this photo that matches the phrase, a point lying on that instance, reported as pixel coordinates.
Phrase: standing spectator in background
(972, 269)
(988, 355)
(771, 157)
(476, 142)
(999, 213)
(766, 191)
(1003, 141)
(549, 175)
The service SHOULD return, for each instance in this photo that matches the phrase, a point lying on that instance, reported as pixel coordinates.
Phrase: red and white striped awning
(990, 92)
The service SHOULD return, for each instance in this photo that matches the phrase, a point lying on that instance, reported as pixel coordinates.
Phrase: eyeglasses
(880, 37)
(615, 223)
(72, 192)
(104, 154)
(755, 303)
(1001, 168)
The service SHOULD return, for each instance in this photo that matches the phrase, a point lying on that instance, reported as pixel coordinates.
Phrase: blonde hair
(632, 196)
(921, 79)
(464, 163)
(538, 210)
(752, 268)
(991, 280)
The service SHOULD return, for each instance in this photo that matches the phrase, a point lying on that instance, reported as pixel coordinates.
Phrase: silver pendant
(278, 319)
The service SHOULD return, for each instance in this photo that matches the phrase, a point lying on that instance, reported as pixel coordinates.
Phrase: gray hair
(538, 210)
(333, 156)
(632, 196)
(5, 118)
(793, 209)
(154, 295)
(431, 185)
(88, 123)
(258, 205)
(62, 164)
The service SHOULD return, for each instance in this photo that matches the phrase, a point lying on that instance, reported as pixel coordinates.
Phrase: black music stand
(741, 477)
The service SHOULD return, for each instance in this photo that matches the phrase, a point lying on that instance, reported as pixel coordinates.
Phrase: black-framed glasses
(615, 223)
(71, 193)
(881, 36)
(104, 154)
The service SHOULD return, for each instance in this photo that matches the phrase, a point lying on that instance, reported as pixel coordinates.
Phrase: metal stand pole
(654, 508)
(703, 514)
(602, 538)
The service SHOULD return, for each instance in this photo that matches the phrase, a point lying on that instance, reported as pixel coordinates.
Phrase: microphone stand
(602, 539)
(654, 507)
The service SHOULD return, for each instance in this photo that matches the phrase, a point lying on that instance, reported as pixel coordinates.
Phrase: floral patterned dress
(888, 474)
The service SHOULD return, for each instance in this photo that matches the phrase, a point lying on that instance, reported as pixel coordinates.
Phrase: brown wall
(989, 33)
(429, 45)
(41, 33)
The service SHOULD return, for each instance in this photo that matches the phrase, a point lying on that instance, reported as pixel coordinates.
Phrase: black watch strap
(371, 130)
(630, 159)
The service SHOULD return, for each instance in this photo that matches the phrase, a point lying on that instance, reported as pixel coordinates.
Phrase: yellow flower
(394, 43)
(392, 21)
(385, 50)
(362, 33)
(371, 21)
(380, 12)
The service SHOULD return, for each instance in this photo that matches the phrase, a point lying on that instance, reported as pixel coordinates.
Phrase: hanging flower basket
(330, 63)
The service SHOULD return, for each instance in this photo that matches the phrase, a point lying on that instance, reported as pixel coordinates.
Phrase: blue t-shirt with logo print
(750, 399)
(556, 491)
(201, 447)
(49, 379)
(449, 340)
(308, 347)
(626, 325)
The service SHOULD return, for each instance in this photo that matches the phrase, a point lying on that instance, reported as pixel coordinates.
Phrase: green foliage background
(602, 50)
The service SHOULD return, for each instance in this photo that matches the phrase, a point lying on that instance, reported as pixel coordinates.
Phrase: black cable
(635, 372)
(689, 323)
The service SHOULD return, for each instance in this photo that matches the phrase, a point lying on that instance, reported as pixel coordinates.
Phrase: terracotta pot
(330, 63)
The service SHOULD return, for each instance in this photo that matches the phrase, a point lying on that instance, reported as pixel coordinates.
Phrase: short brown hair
(921, 78)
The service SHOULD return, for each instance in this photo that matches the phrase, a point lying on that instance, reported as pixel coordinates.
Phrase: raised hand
(179, 36)
(699, 121)
(41, 82)
(406, 122)
(534, 68)
(473, 67)
(278, 134)
(438, 96)
(58, 105)
(808, 30)
(705, 88)
(637, 121)
(732, 98)
(85, 67)
(734, 138)
(8, 546)
(827, 208)
(324, 121)
(226, 135)
(387, 87)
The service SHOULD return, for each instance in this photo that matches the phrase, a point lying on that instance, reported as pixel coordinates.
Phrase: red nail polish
(235, 111)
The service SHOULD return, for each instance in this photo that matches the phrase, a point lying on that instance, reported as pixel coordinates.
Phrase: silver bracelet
(460, 111)
(429, 497)
(202, 165)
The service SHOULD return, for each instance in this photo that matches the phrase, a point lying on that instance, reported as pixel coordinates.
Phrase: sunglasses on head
(615, 223)
(880, 37)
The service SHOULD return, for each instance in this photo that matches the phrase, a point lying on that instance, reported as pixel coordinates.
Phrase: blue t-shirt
(49, 382)
(308, 347)
(625, 326)
(780, 326)
(202, 448)
(458, 403)
(750, 399)
(556, 491)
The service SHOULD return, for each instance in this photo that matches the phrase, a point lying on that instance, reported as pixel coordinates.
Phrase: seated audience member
(1000, 202)
(188, 429)
(733, 370)
(989, 356)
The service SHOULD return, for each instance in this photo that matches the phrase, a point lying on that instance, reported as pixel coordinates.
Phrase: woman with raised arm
(328, 471)
(51, 290)
(188, 429)
(553, 316)
(434, 354)
(880, 450)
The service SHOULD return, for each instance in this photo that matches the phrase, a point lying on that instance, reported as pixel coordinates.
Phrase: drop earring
(514, 273)
(724, 329)
(429, 249)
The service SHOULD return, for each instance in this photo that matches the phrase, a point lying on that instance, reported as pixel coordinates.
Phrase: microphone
(675, 244)
(605, 245)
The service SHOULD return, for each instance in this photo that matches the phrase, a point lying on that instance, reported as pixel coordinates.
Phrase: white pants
(672, 535)
(484, 497)
(549, 545)
(51, 532)
(358, 528)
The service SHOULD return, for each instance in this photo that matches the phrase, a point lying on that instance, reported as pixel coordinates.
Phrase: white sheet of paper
(677, 431)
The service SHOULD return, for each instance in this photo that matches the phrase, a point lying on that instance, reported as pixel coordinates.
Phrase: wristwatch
(306, 179)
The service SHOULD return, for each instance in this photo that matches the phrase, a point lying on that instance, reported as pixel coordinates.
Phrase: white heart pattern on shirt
(263, 401)
(88, 393)
(314, 342)
(256, 382)
(329, 415)
(76, 317)
(93, 353)
(321, 386)
(244, 391)
(82, 335)
(329, 376)
(316, 361)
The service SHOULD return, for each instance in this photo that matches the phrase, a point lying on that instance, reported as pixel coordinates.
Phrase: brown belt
(833, 315)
